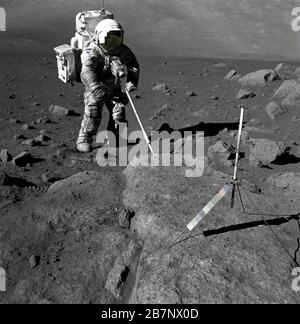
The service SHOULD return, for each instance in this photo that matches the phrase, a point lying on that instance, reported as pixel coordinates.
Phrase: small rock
(191, 93)
(214, 98)
(31, 142)
(19, 137)
(35, 104)
(34, 261)
(125, 217)
(60, 111)
(22, 159)
(27, 127)
(49, 178)
(45, 178)
(160, 87)
(166, 107)
(274, 110)
(230, 75)
(199, 114)
(5, 157)
(43, 120)
(14, 121)
(12, 96)
(43, 138)
(245, 94)
(137, 96)
(220, 65)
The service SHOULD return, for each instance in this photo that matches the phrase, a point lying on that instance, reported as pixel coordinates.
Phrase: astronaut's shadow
(209, 129)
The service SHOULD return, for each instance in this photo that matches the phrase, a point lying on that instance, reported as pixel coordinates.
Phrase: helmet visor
(113, 40)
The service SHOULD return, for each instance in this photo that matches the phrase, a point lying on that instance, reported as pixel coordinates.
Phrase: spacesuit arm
(88, 73)
(133, 67)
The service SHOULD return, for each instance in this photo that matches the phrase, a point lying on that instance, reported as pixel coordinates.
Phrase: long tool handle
(141, 125)
(238, 144)
(237, 157)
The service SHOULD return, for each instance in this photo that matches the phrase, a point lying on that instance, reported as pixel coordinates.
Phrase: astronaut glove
(99, 92)
(129, 86)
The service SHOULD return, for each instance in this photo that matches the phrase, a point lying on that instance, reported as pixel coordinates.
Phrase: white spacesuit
(103, 64)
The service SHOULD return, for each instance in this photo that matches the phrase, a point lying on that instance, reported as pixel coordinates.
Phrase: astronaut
(103, 64)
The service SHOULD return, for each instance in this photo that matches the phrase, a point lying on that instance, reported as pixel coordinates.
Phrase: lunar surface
(72, 231)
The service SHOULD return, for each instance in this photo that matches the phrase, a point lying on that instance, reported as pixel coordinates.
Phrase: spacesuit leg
(111, 123)
(91, 120)
(117, 115)
(119, 102)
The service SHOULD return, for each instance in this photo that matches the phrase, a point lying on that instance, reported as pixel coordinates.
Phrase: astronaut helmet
(109, 34)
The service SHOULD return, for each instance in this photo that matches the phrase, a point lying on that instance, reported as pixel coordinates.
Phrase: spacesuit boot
(89, 126)
(84, 147)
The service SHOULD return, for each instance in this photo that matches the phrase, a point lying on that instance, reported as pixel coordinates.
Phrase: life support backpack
(69, 56)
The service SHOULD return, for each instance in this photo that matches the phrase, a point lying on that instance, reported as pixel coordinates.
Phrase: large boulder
(285, 71)
(258, 78)
(293, 98)
(232, 267)
(85, 256)
(285, 89)
(263, 151)
(274, 110)
(222, 152)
